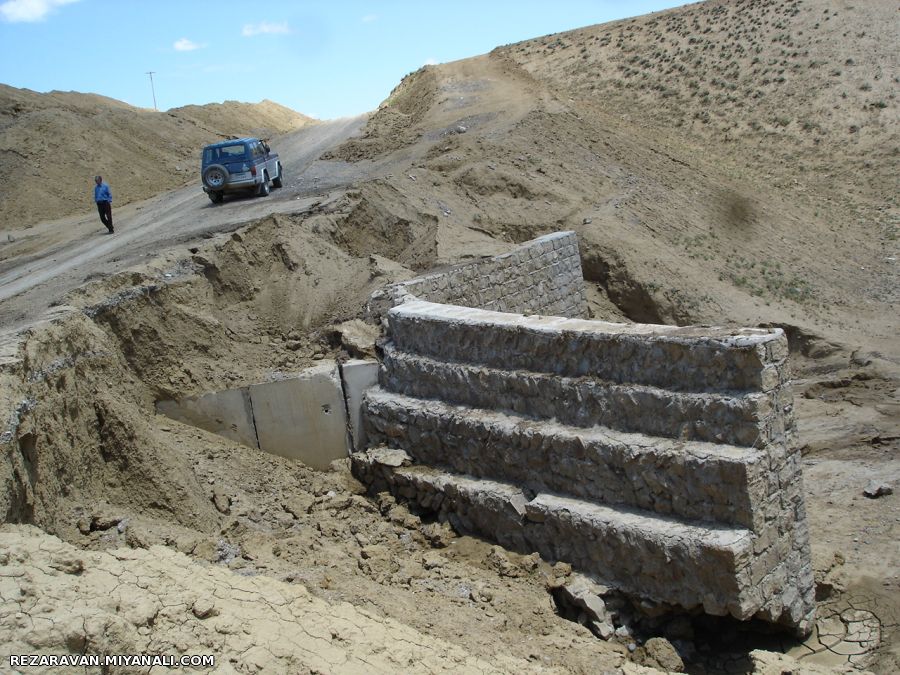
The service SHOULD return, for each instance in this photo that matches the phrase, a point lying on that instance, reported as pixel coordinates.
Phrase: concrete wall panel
(303, 418)
(358, 375)
(226, 413)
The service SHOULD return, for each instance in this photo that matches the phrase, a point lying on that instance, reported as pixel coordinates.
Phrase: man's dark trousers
(105, 209)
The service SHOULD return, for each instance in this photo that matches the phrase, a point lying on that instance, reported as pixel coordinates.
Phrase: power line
(150, 73)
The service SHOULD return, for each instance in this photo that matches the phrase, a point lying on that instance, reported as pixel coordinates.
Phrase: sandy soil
(39, 266)
(676, 224)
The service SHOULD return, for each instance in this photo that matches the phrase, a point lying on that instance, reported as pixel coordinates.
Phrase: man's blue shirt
(102, 193)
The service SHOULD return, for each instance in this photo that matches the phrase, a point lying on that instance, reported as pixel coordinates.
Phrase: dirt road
(38, 269)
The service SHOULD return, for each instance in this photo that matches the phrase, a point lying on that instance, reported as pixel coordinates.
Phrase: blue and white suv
(239, 165)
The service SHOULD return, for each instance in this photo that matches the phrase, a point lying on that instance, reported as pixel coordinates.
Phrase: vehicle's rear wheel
(215, 176)
(263, 190)
(216, 197)
(277, 182)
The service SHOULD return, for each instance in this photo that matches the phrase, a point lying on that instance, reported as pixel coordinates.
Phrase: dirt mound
(78, 439)
(53, 144)
(263, 119)
(391, 127)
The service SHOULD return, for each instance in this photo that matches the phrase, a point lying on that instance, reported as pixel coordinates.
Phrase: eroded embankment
(87, 459)
(79, 390)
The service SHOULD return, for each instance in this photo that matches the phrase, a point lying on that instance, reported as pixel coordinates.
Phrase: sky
(325, 59)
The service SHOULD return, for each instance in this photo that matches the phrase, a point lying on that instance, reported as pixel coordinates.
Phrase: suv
(242, 164)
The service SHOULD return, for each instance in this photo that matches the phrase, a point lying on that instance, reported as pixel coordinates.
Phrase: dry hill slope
(719, 219)
(261, 119)
(53, 144)
(803, 91)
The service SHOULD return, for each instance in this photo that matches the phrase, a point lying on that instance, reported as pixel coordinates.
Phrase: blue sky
(326, 59)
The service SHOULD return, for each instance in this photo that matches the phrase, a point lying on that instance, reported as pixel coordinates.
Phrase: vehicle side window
(258, 151)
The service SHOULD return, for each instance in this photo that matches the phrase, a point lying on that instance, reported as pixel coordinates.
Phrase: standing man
(103, 197)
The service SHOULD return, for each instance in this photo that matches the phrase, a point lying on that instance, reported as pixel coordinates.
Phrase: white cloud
(15, 11)
(265, 28)
(430, 61)
(369, 18)
(185, 45)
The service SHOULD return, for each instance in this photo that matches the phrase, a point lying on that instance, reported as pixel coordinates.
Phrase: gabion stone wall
(542, 276)
(659, 459)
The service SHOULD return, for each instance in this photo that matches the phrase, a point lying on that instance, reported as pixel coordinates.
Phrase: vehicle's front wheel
(263, 190)
(277, 182)
(216, 197)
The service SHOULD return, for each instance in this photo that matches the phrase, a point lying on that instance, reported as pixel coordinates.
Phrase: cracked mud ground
(159, 601)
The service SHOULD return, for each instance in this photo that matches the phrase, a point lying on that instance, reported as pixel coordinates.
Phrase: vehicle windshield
(224, 153)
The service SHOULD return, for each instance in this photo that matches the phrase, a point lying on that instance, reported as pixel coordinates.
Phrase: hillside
(804, 92)
(261, 119)
(688, 209)
(53, 144)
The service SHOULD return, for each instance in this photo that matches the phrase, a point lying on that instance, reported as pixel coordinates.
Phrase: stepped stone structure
(658, 459)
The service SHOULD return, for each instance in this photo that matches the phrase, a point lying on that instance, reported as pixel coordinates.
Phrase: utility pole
(150, 73)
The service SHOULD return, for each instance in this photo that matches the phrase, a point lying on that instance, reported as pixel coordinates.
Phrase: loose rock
(221, 501)
(99, 522)
(204, 608)
(876, 489)
(659, 653)
(67, 563)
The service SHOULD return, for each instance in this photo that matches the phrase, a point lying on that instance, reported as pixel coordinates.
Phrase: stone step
(689, 479)
(745, 419)
(687, 358)
(639, 552)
